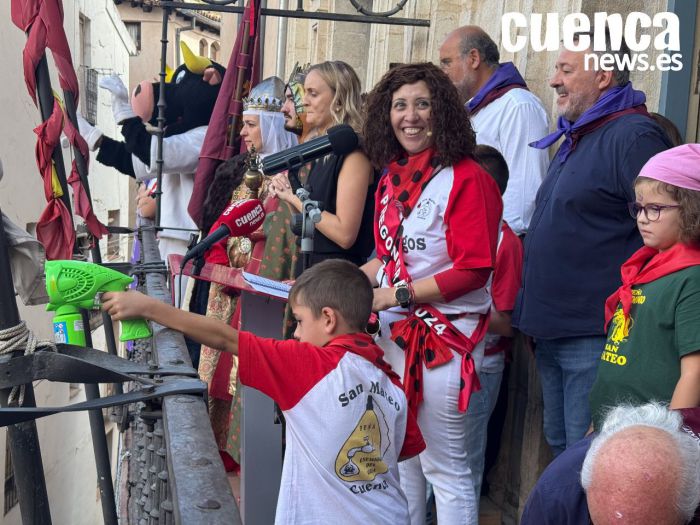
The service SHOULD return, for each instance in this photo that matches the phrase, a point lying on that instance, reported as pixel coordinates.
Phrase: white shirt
(509, 124)
(180, 159)
(347, 425)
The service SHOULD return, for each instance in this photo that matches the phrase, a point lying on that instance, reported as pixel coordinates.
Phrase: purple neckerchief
(505, 75)
(614, 100)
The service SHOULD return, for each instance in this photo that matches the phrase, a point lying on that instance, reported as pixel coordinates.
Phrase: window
(89, 95)
(112, 238)
(11, 497)
(203, 48)
(134, 29)
(214, 51)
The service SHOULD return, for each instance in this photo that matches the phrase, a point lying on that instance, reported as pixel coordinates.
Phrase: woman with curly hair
(436, 230)
(344, 184)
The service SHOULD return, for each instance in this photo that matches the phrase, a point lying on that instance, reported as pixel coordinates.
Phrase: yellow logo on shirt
(361, 457)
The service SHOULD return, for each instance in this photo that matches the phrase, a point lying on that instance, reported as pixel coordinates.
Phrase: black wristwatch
(402, 295)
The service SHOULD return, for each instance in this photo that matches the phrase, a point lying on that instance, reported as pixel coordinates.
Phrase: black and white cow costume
(190, 96)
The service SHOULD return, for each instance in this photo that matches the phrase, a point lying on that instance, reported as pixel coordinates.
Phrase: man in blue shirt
(581, 232)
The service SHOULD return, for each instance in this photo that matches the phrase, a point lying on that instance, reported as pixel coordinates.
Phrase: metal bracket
(77, 364)
(169, 387)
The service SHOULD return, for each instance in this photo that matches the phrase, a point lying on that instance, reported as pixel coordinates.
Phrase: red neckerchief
(427, 336)
(592, 126)
(647, 265)
(409, 175)
(493, 95)
(364, 346)
(398, 192)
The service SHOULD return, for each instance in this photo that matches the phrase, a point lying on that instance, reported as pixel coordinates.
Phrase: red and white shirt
(347, 425)
(507, 277)
(449, 228)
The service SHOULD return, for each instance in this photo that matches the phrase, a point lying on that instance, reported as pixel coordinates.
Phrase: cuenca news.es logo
(551, 34)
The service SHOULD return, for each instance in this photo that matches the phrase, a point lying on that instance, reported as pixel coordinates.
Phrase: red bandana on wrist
(647, 265)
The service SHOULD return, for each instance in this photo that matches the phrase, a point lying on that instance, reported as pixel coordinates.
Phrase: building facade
(100, 44)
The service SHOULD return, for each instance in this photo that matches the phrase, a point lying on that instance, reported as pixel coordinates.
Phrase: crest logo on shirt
(361, 456)
(621, 325)
(424, 208)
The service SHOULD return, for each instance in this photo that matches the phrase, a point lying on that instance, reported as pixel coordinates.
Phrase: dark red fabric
(589, 128)
(647, 265)
(43, 21)
(507, 278)
(216, 147)
(495, 94)
(508, 273)
(81, 200)
(55, 227)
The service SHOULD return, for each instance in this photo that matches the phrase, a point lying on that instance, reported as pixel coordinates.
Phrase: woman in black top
(343, 184)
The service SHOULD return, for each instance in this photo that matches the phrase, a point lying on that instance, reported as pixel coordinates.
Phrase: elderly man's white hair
(658, 416)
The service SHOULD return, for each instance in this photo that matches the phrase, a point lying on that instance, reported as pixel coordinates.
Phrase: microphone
(240, 218)
(340, 139)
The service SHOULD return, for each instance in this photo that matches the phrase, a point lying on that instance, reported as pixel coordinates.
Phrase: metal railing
(174, 473)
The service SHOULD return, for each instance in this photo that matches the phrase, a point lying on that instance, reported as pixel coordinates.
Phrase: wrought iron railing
(174, 473)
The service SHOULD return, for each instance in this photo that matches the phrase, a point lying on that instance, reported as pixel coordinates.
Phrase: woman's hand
(282, 189)
(145, 204)
(384, 298)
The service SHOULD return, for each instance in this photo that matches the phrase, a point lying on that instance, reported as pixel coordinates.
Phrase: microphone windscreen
(343, 139)
(243, 217)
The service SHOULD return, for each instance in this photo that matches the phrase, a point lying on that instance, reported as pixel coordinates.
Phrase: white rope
(17, 338)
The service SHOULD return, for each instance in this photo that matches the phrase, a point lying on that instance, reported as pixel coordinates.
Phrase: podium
(262, 313)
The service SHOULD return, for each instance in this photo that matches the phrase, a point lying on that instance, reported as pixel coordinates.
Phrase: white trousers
(444, 461)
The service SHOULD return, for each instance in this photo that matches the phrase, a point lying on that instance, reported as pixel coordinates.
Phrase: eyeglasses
(652, 212)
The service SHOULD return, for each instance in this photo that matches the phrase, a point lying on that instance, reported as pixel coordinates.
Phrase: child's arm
(501, 323)
(687, 391)
(205, 330)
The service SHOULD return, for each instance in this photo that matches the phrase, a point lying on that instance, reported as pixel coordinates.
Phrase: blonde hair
(346, 103)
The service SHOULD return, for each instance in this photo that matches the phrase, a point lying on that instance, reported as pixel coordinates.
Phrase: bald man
(617, 478)
(504, 115)
(643, 467)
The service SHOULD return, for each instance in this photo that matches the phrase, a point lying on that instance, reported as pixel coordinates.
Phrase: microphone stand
(311, 214)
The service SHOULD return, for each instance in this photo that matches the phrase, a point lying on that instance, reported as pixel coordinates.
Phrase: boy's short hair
(494, 163)
(336, 284)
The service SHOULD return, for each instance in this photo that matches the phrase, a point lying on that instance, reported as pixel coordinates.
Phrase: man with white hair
(643, 467)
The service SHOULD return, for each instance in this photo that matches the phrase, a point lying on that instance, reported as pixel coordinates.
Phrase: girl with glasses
(653, 320)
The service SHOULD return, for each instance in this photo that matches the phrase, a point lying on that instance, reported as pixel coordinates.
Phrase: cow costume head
(190, 94)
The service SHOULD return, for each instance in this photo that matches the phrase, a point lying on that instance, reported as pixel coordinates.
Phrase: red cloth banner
(42, 20)
(216, 147)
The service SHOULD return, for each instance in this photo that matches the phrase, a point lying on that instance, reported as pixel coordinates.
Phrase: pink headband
(678, 166)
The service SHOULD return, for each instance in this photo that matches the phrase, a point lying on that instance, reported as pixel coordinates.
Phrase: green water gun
(72, 285)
